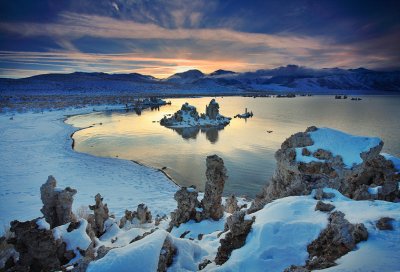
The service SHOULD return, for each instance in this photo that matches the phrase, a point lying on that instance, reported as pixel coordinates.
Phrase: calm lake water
(246, 147)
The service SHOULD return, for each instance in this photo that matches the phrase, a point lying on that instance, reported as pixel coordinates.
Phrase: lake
(245, 145)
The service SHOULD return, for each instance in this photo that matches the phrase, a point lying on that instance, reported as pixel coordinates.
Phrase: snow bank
(203, 227)
(347, 146)
(279, 236)
(142, 255)
(42, 224)
(34, 146)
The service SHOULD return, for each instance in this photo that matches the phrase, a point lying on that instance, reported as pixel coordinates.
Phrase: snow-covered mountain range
(290, 78)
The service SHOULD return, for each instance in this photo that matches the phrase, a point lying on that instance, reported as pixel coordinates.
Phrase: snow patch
(42, 224)
(347, 146)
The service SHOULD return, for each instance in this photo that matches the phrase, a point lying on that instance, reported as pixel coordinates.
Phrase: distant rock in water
(323, 157)
(188, 116)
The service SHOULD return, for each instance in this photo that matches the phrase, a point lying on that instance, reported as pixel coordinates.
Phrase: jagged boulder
(166, 255)
(216, 176)
(231, 204)
(57, 203)
(238, 228)
(100, 215)
(339, 238)
(324, 207)
(302, 167)
(143, 214)
(385, 223)
(37, 248)
(187, 201)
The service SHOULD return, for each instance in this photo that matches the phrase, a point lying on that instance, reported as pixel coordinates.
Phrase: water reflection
(193, 132)
(247, 148)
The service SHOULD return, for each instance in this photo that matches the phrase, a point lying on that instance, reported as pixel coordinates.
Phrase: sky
(163, 37)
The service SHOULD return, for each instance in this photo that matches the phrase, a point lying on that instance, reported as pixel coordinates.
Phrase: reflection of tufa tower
(212, 110)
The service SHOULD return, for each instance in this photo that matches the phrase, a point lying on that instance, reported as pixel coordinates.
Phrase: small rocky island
(188, 117)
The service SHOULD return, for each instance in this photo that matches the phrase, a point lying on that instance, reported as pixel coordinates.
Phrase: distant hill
(291, 78)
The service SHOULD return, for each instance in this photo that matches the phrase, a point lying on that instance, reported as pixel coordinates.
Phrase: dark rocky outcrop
(238, 227)
(37, 248)
(166, 255)
(57, 203)
(231, 204)
(212, 110)
(324, 207)
(143, 214)
(385, 223)
(216, 176)
(339, 238)
(100, 215)
(186, 197)
(299, 178)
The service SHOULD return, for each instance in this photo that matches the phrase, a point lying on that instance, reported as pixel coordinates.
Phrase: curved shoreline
(134, 161)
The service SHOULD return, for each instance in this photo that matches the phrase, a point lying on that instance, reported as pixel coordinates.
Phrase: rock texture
(57, 203)
(187, 201)
(100, 215)
(212, 110)
(324, 207)
(339, 238)
(385, 223)
(299, 178)
(37, 248)
(166, 255)
(143, 214)
(238, 227)
(216, 176)
(231, 204)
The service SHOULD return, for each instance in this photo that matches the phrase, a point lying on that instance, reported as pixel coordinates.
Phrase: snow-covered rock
(142, 255)
(322, 157)
(188, 116)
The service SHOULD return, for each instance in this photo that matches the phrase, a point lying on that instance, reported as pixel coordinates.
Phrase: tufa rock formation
(385, 223)
(339, 238)
(216, 176)
(37, 248)
(235, 238)
(292, 177)
(100, 215)
(324, 207)
(57, 203)
(187, 204)
(212, 110)
(142, 214)
(231, 204)
(166, 255)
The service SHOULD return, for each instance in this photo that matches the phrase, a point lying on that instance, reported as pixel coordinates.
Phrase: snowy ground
(278, 239)
(34, 146)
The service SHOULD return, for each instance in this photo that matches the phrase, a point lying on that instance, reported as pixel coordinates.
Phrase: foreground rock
(188, 116)
(339, 238)
(188, 206)
(238, 227)
(142, 215)
(37, 248)
(322, 157)
(216, 176)
(100, 215)
(57, 203)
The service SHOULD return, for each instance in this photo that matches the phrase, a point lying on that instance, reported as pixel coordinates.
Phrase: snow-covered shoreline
(36, 145)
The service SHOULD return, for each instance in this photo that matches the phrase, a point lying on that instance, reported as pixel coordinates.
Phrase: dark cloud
(247, 34)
